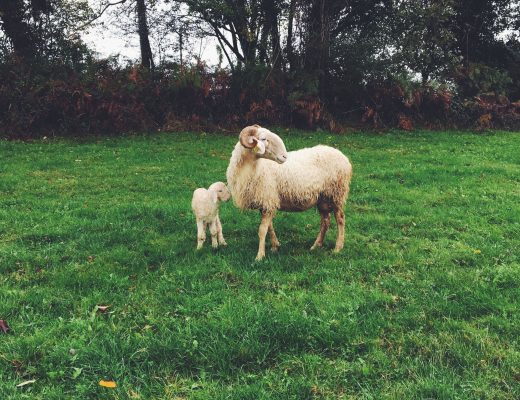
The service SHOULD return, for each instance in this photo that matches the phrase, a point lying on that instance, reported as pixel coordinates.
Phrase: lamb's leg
(325, 223)
(262, 232)
(221, 239)
(339, 214)
(214, 233)
(201, 234)
(274, 240)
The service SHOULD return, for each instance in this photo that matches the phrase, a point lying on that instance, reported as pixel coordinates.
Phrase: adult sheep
(262, 175)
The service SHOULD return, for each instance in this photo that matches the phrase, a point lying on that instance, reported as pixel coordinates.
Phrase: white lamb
(262, 175)
(205, 204)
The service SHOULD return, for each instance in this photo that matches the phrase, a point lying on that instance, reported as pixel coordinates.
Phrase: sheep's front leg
(201, 234)
(213, 229)
(339, 214)
(274, 240)
(262, 232)
(325, 223)
(221, 239)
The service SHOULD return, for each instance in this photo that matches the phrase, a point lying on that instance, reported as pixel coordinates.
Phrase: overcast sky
(106, 40)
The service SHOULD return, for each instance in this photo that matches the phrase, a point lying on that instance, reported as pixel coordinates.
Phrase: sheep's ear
(248, 136)
(260, 147)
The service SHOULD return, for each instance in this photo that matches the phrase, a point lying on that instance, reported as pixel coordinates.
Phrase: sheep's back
(312, 172)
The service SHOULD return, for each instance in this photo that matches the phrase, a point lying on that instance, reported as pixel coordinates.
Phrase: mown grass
(422, 303)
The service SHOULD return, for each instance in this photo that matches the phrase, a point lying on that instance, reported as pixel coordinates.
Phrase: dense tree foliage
(45, 30)
(308, 62)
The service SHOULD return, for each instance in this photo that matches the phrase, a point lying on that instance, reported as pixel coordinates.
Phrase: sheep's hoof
(337, 250)
(199, 247)
(316, 246)
(223, 243)
(274, 249)
(259, 257)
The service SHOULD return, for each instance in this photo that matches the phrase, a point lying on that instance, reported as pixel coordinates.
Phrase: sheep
(262, 175)
(205, 205)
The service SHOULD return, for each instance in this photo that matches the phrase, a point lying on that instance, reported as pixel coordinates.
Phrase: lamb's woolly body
(203, 205)
(308, 175)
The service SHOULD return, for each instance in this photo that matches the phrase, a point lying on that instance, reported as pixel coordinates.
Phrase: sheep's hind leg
(274, 240)
(214, 234)
(339, 214)
(325, 223)
(262, 232)
(221, 239)
(201, 234)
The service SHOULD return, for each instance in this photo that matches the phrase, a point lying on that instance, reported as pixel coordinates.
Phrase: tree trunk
(181, 44)
(289, 47)
(16, 29)
(144, 41)
(318, 37)
(262, 47)
(271, 13)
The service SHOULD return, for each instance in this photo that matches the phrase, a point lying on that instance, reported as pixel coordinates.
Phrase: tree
(236, 25)
(248, 29)
(271, 10)
(13, 14)
(423, 37)
(144, 41)
(289, 47)
(477, 25)
(46, 29)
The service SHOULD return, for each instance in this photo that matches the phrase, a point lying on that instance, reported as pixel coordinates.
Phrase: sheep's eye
(263, 140)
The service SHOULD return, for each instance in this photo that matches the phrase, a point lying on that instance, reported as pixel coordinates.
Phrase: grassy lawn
(423, 302)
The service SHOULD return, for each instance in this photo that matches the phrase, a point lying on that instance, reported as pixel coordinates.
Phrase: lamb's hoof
(259, 257)
(274, 249)
(337, 250)
(223, 243)
(199, 247)
(315, 246)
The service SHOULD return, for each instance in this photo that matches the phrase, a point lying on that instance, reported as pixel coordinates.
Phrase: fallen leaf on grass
(102, 309)
(107, 384)
(3, 326)
(26, 383)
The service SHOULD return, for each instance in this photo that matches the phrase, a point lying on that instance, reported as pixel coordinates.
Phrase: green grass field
(423, 302)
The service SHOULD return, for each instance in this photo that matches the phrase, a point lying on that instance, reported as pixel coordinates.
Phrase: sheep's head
(264, 143)
(219, 191)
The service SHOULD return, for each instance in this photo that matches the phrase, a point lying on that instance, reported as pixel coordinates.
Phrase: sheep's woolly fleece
(297, 184)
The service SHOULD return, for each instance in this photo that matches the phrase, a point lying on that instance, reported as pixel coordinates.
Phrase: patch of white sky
(108, 40)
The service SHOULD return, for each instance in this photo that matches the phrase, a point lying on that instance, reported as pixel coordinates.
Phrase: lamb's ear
(248, 136)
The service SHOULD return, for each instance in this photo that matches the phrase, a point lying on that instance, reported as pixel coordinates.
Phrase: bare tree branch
(226, 53)
(221, 36)
(99, 15)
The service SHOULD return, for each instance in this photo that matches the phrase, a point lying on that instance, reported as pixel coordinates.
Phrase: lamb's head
(220, 191)
(264, 143)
